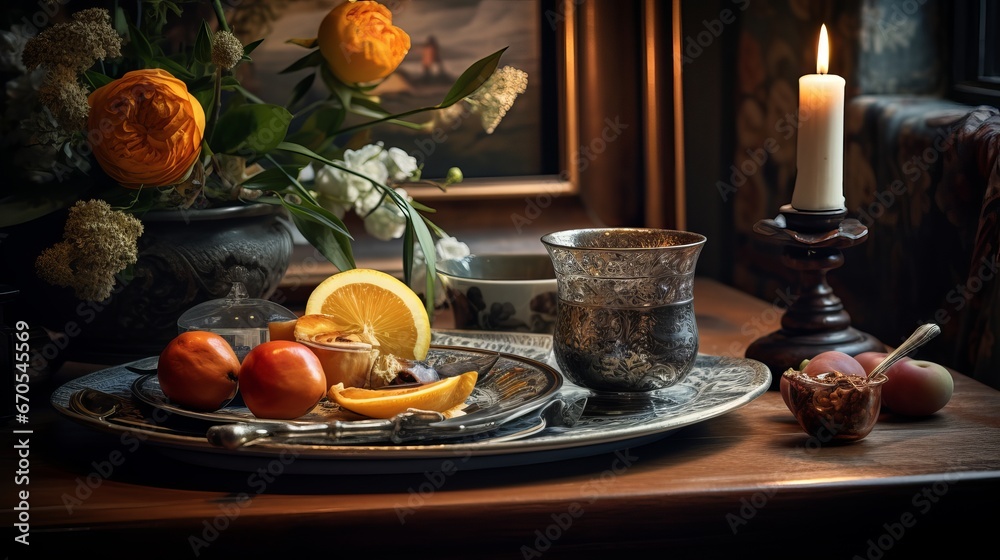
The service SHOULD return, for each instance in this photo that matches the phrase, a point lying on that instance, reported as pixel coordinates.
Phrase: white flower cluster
(340, 190)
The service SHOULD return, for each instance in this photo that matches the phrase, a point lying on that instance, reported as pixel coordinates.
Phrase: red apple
(915, 387)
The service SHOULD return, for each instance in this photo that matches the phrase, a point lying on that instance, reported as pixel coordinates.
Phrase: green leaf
(326, 119)
(202, 83)
(310, 60)
(249, 48)
(342, 91)
(422, 207)
(334, 247)
(435, 229)
(302, 88)
(258, 128)
(247, 94)
(472, 78)
(426, 243)
(120, 21)
(176, 69)
(423, 236)
(203, 44)
(139, 42)
(97, 79)
(306, 43)
(322, 229)
(206, 98)
(303, 151)
(273, 179)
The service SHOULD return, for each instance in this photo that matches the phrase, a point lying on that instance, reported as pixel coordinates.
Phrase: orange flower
(360, 43)
(145, 129)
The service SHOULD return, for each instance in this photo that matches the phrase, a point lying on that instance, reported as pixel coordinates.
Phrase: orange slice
(378, 306)
(438, 396)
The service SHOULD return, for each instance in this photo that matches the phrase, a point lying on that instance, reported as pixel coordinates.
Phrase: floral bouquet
(115, 113)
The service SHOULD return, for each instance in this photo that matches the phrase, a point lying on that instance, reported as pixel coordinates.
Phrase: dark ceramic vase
(185, 258)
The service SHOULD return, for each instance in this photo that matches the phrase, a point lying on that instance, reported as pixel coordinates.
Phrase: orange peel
(438, 396)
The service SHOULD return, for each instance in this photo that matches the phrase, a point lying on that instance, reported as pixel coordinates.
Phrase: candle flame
(823, 55)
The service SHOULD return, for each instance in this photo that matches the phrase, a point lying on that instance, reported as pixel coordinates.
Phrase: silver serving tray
(717, 385)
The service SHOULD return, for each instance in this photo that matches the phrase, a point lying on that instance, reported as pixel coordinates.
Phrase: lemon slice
(375, 305)
(438, 396)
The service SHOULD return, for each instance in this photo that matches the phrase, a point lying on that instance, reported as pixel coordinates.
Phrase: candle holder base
(815, 321)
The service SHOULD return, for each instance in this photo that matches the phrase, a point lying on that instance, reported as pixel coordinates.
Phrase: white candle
(819, 183)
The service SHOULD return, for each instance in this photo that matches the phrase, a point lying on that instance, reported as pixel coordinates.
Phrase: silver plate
(717, 385)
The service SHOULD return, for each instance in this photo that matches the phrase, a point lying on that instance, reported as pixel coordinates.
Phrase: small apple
(915, 387)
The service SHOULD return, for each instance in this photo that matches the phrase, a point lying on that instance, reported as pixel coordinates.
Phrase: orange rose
(145, 129)
(360, 43)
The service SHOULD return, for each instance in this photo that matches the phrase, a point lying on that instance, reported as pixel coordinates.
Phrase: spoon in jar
(919, 337)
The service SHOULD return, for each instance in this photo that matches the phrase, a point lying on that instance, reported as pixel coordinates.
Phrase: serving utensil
(412, 425)
(114, 409)
(919, 337)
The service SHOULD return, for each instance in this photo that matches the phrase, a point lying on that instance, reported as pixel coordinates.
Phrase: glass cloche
(238, 318)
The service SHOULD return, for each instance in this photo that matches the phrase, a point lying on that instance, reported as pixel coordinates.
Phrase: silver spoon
(919, 337)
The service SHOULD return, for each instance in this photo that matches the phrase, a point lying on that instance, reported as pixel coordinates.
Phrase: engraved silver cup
(625, 319)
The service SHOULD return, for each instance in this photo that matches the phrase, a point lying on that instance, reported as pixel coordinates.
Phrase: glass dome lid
(238, 318)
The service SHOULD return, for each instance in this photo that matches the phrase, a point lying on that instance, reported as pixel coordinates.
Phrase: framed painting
(524, 153)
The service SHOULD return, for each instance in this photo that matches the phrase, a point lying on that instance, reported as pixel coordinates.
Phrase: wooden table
(749, 481)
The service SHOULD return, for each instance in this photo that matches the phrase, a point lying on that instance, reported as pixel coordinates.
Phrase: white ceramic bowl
(501, 292)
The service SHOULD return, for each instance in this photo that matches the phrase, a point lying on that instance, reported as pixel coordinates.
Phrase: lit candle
(819, 183)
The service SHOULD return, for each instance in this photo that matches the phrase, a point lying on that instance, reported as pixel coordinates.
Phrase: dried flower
(491, 101)
(65, 50)
(227, 50)
(77, 44)
(65, 96)
(98, 242)
(496, 96)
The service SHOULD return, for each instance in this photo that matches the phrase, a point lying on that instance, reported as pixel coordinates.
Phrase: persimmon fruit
(282, 380)
(198, 370)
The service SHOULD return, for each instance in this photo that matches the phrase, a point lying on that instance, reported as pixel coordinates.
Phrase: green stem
(213, 118)
(249, 95)
(221, 15)
(386, 119)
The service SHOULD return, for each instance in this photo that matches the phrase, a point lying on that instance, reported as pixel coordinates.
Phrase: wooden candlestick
(815, 321)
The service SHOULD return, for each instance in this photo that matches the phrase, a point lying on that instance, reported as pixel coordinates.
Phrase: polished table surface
(746, 481)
